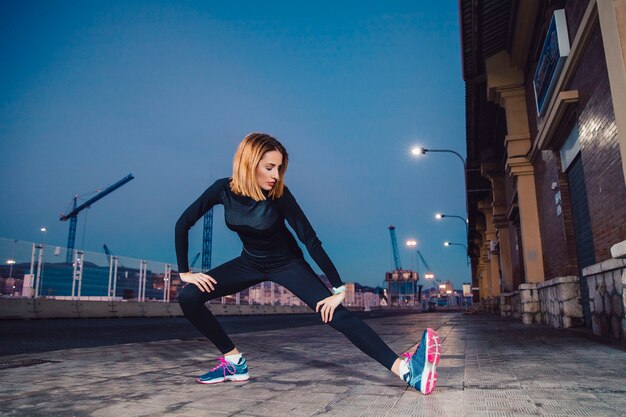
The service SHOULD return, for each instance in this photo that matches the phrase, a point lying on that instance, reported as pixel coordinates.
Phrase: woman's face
(267, 170)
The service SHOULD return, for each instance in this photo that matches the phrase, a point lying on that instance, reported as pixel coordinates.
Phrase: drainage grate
(24, 362)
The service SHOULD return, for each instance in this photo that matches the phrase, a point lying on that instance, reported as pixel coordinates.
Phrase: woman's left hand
(328, 306)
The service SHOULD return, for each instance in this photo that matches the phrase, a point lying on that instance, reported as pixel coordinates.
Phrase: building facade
(546, 155)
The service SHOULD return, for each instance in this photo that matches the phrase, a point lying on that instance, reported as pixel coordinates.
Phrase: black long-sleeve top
(259, 224)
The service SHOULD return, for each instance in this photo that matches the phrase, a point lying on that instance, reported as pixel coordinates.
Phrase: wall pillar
(612, 17)
(505, 86)
(506, 264)
(491, 259)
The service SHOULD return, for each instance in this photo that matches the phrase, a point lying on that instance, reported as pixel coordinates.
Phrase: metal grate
(23, 362)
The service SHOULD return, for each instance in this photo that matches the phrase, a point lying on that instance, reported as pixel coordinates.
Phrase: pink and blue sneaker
(226, 371)
(422, 375)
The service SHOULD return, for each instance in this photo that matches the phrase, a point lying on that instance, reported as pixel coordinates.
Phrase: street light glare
(10, 261)
(438, 216)
(43, 229)
(418, 151)
(446, 243)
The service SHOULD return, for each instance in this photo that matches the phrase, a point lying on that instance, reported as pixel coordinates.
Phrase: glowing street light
(440, 216)
(411, 244)
(458, 244)
(44, 230)
(423, 151)
(11, 262)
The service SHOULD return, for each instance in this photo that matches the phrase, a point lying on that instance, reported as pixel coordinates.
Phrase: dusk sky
(91, 91)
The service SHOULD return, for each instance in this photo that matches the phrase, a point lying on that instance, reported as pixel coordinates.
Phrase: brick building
(546, 157)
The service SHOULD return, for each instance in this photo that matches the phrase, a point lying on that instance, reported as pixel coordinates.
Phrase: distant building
(402, 287)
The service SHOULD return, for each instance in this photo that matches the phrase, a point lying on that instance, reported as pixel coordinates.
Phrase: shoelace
(225, 365)
(408, 355)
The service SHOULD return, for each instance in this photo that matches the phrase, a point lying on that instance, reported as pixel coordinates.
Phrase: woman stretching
(256, 204)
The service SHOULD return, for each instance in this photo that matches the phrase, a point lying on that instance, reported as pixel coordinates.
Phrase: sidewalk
(490, 367)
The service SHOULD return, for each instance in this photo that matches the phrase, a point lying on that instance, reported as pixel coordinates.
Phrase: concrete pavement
(490, 367)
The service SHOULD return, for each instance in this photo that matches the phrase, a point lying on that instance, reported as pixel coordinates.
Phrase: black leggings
(297, 276)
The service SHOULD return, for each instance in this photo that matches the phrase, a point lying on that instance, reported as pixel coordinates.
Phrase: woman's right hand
(203, 281)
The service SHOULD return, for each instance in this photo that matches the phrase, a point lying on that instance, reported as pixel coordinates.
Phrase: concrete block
(595, 325)
(598, 304)
(617, 280)
(569, 292)
(600, 286)
(608, 282)
(608, 304)
(617, 305)
(16, 308)
(573, 308)
(611, 264)
(569, 279)
(592, 270)
(22, 308)
(616, 328)
(527, 318)
(619, 250)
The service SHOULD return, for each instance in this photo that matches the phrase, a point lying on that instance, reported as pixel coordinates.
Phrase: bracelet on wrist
(339, 290)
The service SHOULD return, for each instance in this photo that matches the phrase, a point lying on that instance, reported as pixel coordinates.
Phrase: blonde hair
(249, 152)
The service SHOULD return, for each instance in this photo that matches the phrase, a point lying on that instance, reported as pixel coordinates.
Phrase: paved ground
(490, 367)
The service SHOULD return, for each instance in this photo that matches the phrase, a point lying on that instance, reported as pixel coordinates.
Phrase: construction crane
(207, 240)
(108, 252)
(401, 284)
(195, 259)
(73, 215)
(428, 269)
(394, 246)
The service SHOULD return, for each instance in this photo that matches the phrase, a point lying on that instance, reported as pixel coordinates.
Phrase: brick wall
(574, 12)
(557, 233)
(604, 178)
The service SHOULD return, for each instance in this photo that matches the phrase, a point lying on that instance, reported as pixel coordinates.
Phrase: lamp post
(440, 216)
(11, 262)
(43, 263)
(411, 244)
(458, 244)
(424, 151)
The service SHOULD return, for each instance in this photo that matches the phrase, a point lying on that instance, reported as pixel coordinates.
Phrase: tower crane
(399, 279)
(108, 252)
(73, 214)
(195, 259)
(394, 246)
(207, 240)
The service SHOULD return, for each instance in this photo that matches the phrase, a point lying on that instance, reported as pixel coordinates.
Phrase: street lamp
(440, 216)
(458, 244)
(43, 259)
(411, 244)
(423, 151)
(11, 262)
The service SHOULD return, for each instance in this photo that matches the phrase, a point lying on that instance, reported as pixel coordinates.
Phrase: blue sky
(92, 91)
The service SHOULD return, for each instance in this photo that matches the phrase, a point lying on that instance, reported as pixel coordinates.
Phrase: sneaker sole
(433, 355)
(233, 378)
